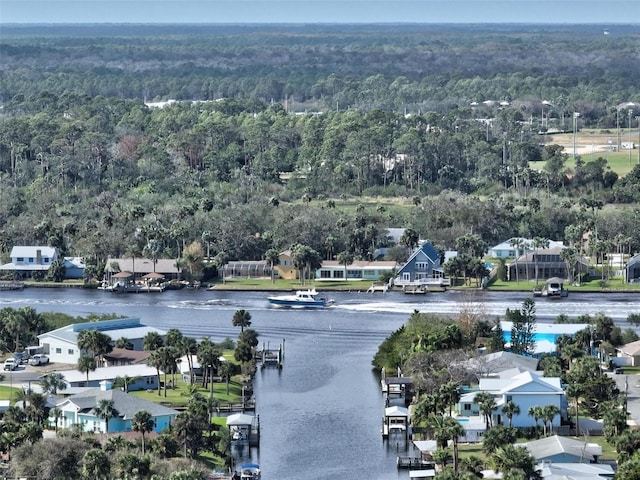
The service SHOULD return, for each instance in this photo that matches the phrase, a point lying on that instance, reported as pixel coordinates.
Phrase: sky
(321, 11)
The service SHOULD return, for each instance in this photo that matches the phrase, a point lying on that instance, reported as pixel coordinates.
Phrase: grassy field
(9, 393)
(178, 396)
(612, 285)
(594, 143)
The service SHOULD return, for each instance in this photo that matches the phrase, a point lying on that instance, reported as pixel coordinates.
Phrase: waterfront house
(285, 268)
(74, 267)
(61, 345)
(548, 262)
(358, 270)
(27, 261)
(422, 268)
(526, 389)
(633, 269)
(79, 410)
(516, 247)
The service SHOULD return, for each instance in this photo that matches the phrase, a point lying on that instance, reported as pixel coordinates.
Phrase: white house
(61, 345)
(79, 410)
(357, 270)
(143, 377)
(507, 249)
(526, 389)
(27, 260)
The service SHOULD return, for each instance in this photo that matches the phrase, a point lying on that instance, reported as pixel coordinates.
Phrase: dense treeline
(419, 68)
(96, 172)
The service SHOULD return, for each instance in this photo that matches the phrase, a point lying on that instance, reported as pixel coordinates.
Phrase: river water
(321, 414)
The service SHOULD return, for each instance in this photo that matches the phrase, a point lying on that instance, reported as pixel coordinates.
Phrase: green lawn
(179, 396)
(9, 393)
(614, 284)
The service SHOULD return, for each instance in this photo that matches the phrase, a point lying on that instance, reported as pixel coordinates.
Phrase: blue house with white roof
(79, 410)
(61, 345)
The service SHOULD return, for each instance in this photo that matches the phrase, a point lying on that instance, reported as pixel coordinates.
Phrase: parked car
(10, 364)
(39, 359)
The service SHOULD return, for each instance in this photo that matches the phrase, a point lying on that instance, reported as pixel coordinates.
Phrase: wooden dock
(413, 463)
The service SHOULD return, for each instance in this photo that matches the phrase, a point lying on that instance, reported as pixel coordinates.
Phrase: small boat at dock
(300, 299)
(250, 471)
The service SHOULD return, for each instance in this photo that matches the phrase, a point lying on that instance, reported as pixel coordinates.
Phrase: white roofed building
(61, 345)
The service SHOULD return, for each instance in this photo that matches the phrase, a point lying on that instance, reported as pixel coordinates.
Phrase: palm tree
(272, 257)
(450, 391)
(124, 381)
(442, 456)
(152, 341)
(517, 243)
(86, 364)
(510, 458)
(486, 404)
(536, 413)
(444, 429)
(538, 242)
(95, 464)
(549, 412)
(52, 383)
(94, 341)
(106, 410)
(56, 413)
(144, 423)
(510, 409)
(124, 342)
(241, 319)
(155, 361)
(345, 258)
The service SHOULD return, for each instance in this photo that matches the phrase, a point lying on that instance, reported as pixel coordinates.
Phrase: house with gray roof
(559, 449)
(61, 345)
(423, 267)
(78, 410)
(143, 377)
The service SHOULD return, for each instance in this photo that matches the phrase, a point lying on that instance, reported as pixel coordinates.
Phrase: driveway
(630, 384)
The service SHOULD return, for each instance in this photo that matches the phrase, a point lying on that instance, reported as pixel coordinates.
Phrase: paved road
(27, 374)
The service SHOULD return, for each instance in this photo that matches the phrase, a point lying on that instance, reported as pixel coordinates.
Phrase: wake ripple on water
(545, 309)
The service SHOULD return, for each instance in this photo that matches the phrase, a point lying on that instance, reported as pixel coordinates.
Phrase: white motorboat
(250, 471)
(301, 299)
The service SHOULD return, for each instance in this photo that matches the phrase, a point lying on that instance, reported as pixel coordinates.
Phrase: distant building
(422, 268)
(357, 270)
(27, 260)
(61, 345)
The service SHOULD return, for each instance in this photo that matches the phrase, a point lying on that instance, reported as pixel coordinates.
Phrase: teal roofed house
(79, 410)
(424, 267)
